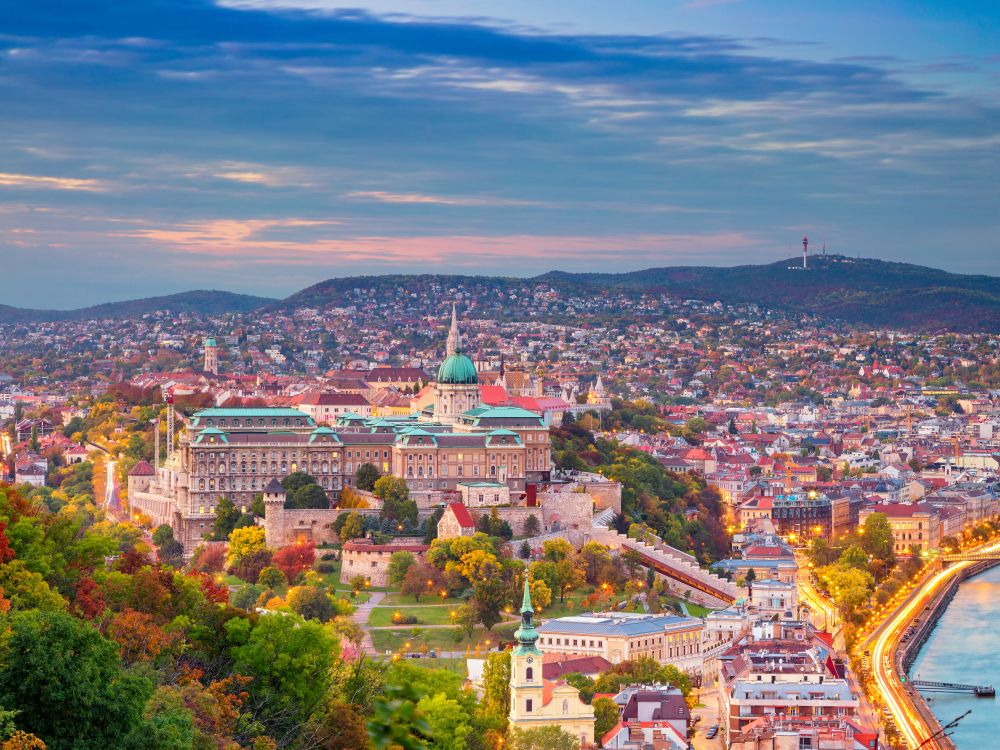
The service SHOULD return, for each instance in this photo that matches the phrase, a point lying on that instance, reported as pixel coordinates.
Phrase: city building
(622, 636)
(913, 525)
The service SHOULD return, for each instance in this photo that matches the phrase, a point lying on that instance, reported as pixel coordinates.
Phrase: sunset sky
(264, 145)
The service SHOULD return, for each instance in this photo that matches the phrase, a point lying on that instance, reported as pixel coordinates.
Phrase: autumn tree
(421, 579)
(294, 559)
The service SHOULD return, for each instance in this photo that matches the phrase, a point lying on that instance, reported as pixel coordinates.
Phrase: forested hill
(204, 302)
(860, 291)
(857, 290)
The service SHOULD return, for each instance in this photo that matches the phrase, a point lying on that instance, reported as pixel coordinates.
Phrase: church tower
(211, 356)
(526, 685)
(535, 702)
(457, 389)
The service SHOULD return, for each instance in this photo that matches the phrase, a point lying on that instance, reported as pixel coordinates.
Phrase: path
(360, 616)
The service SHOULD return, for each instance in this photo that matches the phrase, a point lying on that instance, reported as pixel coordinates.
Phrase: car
(712, 731)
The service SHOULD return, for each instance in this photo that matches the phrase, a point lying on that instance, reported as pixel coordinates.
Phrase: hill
(203, 302)
(861, 291)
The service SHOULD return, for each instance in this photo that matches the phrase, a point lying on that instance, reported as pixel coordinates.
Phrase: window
(529, 674)
(527, 705)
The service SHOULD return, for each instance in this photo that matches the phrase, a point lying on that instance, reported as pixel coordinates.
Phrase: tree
(541, 594)
(877, 540)
(396, 721)
(307, 496)
(524, 551)
(556, 550)
(420, 579)
(466, 618)
(531, 525)
(854, 557)
(342, 727)
(226, 516)
(349, 499)
(249, 566)
(488, 597)
(271, 577)
(543, 738)
(366, 476)
(496, 688)
(581, 682)
(605, 716)
(399, 563)
(244, 541)
(295, 481)
(594, 559)
(449, 722)
(311, 602)
(257, 506)
(162, 533)
(294, 559)
(290, 660)
(50, 659)
(351, 528)
(396, 503)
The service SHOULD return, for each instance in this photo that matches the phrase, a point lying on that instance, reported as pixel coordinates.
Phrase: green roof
(211, 433)
(210, 342)
(257, 411)
(457, 370)
(527, 634)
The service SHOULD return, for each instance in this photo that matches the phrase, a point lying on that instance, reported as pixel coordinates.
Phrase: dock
(980, 691)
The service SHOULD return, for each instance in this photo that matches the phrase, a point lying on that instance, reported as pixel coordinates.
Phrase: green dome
(457, 370)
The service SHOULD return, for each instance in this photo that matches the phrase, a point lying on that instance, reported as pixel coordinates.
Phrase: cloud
(437, 200)
(269, 242)
(8, 179)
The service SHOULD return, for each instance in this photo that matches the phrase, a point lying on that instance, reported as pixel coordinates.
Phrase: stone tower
(211, 356)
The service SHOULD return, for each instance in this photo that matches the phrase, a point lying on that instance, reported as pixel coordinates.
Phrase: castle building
(598, 396)
(535, 701)
(235, 452)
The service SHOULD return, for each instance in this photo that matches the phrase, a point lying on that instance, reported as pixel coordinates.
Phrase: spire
(526, 600)
(454, 344)
(526, 635)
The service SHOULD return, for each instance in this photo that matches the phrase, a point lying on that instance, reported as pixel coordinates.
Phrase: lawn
(439, 639)
(396, 599)
(436, 615)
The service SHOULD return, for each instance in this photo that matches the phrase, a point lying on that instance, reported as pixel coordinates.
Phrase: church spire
(526, 635)
(454, 343)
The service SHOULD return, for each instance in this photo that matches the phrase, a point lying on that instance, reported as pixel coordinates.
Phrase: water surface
(965, 648)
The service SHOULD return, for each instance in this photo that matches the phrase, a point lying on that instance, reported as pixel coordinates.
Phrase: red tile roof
(142, 469)
(462, 515)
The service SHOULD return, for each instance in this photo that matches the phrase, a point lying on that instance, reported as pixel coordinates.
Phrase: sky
(154, 146)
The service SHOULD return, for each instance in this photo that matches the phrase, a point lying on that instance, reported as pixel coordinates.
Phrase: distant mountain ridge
(860, 291)
(201, 301)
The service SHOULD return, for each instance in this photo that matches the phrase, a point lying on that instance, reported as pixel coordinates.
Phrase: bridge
(974, 556)
(672, 563)
(980, 691)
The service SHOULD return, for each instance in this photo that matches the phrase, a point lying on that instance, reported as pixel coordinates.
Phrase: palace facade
(235, 453)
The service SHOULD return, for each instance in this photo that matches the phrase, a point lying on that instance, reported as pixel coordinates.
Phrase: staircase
(604, 518)
(676, 565)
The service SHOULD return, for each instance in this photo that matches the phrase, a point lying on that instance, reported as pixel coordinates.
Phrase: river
(963, 648)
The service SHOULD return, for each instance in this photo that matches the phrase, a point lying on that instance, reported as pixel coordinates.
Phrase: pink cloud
(265, 242)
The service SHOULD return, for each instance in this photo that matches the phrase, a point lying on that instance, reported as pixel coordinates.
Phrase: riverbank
(961, 647)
